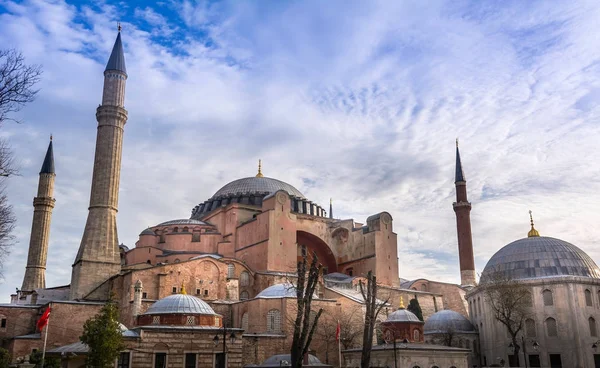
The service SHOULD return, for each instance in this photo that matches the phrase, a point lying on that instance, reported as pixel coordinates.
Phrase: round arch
(313, 243)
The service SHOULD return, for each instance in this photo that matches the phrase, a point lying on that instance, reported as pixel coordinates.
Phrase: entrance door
(219, 360)
(513, 360)
(555, 361)
(534, 361)
(596, 360)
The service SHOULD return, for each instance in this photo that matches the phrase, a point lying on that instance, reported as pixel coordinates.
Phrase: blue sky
(359, 101)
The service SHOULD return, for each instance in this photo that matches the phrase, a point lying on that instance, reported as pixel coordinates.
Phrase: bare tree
(17, 81)
(510, 301)
(448, 336)
(351, 323)
(373, 307)
(305, 325)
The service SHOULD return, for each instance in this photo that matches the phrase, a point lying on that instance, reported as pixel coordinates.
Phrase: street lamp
(595, 345)
(231, 339)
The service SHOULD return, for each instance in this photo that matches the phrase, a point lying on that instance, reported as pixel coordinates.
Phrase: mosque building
(226, 274)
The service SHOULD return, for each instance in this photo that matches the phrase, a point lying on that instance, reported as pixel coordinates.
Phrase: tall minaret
(462, 208)
(43, 203)
(98, 257)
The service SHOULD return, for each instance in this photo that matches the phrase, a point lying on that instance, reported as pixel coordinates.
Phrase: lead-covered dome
(180, 304)
(256, 185)
(285, 290)
(402, 315)
(540, 256)
(447, 320)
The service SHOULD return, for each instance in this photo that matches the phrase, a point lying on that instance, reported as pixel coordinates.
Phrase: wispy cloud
(359, 101)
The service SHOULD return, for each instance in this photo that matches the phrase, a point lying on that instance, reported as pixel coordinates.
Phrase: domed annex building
(561, 329)
(450, 328)
(235, 257)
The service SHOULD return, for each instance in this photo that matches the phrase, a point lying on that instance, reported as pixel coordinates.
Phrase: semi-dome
(180, 304)
(540, 256)
(447, 320)
(256, 185)
(402, 315)
(147, 231)
(285, 290)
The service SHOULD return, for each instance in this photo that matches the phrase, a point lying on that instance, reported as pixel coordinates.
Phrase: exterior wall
(407, 357)
(453, 295)
(574, 341)
(458, 340)
(20, 320)
(429, 302)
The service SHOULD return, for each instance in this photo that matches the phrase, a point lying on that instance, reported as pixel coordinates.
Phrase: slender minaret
(43, 203)
(462, 208)
(98, 257)
(330, 208)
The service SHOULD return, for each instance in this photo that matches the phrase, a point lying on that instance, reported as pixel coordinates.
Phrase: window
(190, 360)
(555, 361)
(205, 292)
(3, 323)
(244, 278)
(190, 321)
(416, 335)
(196, 236)
(547, 296)
(144, 295)
(534, 361)
(303, 250)
(530, 328)
(468, 344)
(529, 300)
(245, 321)
(156, 320)
(174, 289)
(244, 295)
(592, 323)
(197, 291)
(551, 327)
(230, 271)
(186, 230)
(160, 360)
(123, 360)
(588, 298)
(175, 229)
(161, 238)
(349, 271)
(273, 321)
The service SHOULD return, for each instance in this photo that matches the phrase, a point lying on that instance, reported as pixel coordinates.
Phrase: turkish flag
(43, 321)
(338, 331)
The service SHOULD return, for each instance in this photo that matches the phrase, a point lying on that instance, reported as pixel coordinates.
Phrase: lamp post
(535, 346)
(595, 345)
(232, 340)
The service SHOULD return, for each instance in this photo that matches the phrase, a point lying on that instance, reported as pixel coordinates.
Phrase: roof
(48, 165)
(147, 231)
(459, 175)
(279, 360)
(414, 346)
(180, 304)
(262, 185)
(285, 290)
(76, 347)
(183, 222)
(117, 57)
(402, 315)
(447, 320)
(538, 257)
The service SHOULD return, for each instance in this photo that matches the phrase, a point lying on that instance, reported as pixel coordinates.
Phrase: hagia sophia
(216, 289)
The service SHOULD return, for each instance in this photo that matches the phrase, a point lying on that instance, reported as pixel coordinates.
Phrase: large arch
(314, 244)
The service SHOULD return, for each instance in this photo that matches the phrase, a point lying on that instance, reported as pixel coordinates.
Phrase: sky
(359, 101)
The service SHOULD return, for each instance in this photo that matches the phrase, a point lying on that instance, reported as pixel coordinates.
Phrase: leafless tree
(17, 81)
(305, 325)
(374, 303)
(448, 336)
(510, 301)
(350, 320)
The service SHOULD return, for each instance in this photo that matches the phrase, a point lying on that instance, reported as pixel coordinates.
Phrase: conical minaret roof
(48, 165)
(117, 57)
(460, 175)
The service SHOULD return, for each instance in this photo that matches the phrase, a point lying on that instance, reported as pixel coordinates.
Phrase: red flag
(338, 331)
(43, 321)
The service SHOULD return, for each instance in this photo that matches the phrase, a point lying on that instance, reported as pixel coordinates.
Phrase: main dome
(256, 185)
(540, 256)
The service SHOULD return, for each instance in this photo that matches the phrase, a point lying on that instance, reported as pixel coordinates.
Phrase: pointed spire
(330, 208)
(48, 165)
(533, 232)
(260, 174)
(117, 57)
(460, 175)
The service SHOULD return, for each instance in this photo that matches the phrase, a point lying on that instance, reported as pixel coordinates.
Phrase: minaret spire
(43, 203)
(330, 208)
(98, 257)
(462, 209)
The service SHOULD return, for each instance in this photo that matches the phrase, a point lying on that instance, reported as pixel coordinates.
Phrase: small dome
(276, 361)
(285, 290)
(148, 231)
(183, 222)
(540, 256)
(402, 315)
(259, 185)
(180, 304)
(447, 320)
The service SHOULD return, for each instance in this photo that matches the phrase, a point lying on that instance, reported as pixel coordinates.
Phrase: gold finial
(119, 26)
(401, 302)
(183, 289)
(259, 175)
(533, 232)
(456, 142)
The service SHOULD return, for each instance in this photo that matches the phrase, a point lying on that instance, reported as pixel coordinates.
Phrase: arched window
(529, 300)
(547, 296)
(592, 323)
(530, 328)
(588, 298)
(468, 344)
(478, 305)
(230, 271)
(175, 229)
(423, 287)
(186, 230)
(416, 335)
(245, 321)
(551, 329)
(244, 278)
(244, 295)
(273, 321)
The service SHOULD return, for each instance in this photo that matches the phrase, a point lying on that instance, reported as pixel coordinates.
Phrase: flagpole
(339, 345)
(45, 340)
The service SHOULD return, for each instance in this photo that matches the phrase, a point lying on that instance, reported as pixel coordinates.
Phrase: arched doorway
(310, 243)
